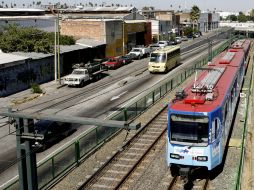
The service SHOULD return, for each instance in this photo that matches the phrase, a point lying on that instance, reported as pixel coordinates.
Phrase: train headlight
(174, 156)
(202, 158)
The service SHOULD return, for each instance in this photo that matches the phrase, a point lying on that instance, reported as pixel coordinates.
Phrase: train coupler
(185, 173)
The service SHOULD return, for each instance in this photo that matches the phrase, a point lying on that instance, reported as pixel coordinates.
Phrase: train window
(186, 129)
(217, 125)
(215, 129)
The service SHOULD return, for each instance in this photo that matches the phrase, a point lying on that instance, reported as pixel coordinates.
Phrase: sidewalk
(27, 95)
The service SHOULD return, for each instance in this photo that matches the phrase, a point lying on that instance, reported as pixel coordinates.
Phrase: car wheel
(82, 83)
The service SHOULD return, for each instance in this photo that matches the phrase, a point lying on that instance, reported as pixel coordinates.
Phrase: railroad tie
(101, 186)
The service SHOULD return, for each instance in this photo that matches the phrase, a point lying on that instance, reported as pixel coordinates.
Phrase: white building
(26, 18)
(161, 28)
(224, 15)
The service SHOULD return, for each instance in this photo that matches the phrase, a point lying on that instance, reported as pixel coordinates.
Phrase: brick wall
(79, 28)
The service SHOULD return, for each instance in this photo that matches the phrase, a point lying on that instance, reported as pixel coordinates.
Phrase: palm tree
(194, 15)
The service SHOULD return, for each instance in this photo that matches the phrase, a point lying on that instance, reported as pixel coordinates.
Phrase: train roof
(166, 49)
(241, 44)
(209, 89)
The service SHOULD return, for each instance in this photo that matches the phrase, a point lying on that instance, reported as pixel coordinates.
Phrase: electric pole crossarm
(73, 119)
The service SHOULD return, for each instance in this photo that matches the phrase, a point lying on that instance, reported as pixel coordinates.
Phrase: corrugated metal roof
(100, 9)
(65, 49)
(89, 42)
(20, 10)
(9, 58)
(96, 16)
(32, 55)
(42, 17)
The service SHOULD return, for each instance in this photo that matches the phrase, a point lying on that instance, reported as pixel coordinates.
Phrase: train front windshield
(158, 58)
(189, 130)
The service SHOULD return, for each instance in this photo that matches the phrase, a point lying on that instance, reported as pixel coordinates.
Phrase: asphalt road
(97, 104)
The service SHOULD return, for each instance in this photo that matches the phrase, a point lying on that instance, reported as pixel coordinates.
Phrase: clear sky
(225, 5)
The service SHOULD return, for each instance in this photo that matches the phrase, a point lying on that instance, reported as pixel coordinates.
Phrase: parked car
(131, 55)
(52, 132)
(153, 47)
(83, 73)
(163, 43)
(178, 39)
(137, 53)
(126, 59)
(172, 42)
(114, 63)
(196, 35)
(184, 38)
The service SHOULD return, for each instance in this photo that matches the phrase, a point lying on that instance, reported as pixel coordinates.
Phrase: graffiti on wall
(20, 77)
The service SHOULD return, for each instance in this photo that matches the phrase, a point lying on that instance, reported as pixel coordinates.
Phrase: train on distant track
(200, 116)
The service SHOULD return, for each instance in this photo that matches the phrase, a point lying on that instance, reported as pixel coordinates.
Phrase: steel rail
(94, 177)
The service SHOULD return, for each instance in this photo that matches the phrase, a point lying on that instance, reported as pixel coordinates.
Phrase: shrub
(36, 88)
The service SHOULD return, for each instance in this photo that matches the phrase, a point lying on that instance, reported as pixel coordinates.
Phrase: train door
(216, 143)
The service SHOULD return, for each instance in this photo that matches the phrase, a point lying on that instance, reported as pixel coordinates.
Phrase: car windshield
(135, 50)
(186, 129)
(158, 58)
(77, 72)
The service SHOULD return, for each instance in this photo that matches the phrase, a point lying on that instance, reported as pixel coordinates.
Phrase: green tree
(242, 17)
(29, 39)
(232, 17)
(187, 31)
(194, 15)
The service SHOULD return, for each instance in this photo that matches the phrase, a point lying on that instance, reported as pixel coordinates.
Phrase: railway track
(114, 173)
(179, 184)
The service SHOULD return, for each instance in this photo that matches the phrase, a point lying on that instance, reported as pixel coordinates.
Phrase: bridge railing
(57, 164)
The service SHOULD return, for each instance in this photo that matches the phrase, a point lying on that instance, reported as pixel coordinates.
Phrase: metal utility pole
(26, 136)
(210, 50)
(26, 154)
(55, 50)
(123, 38)
(58, 45)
